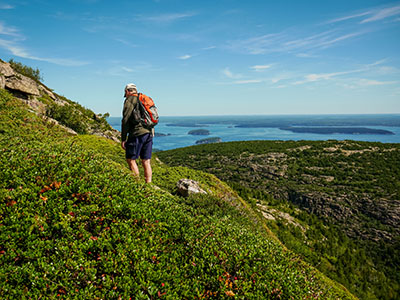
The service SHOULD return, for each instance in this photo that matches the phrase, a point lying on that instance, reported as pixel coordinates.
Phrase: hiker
(140, 139)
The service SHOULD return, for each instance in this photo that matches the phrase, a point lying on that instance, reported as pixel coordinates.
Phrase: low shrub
(26, 70)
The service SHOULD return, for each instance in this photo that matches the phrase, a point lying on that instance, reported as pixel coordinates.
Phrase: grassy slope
(75, 224)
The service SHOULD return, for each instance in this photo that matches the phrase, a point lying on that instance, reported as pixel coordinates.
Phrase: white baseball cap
(130, 86)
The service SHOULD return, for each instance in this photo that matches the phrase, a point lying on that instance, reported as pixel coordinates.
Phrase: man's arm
(126, 113)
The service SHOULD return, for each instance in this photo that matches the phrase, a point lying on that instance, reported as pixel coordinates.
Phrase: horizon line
(272, 115)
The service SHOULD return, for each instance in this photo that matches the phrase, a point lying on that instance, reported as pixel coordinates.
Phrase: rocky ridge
(40, 98)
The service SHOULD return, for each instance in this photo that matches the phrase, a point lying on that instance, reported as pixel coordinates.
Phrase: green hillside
(75, 224)
(336, 203)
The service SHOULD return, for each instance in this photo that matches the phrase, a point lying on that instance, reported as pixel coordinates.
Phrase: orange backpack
(146, 112)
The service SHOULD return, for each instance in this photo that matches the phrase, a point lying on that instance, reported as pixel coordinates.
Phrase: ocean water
(242, 128)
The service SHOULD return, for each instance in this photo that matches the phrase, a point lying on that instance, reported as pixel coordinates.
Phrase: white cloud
(385, 70)
(283, 42)
(209, 48)
(299, 41)
(167, 18)
(374, 14)
(8, 30)
(372, 82)
(260, 68)
(21, 52)
(127, 43)
(325, 76)
(12, 41)
(231, 75)
(349, 17)
(185, 57)
(305, 55)
(248, 81)
(260, 44)
(129, 70)
(333, 41)
(383, 14)
(282, 77)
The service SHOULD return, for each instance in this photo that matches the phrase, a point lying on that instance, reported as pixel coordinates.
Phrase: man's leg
(147, 170)
(133, 166)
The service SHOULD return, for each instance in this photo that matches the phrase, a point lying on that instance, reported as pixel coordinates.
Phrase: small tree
(25, 70)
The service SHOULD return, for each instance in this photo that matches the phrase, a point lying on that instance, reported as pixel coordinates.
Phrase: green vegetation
(209, 140)
(75, 116)
(25, 70)
(75, 224)
(334, 203)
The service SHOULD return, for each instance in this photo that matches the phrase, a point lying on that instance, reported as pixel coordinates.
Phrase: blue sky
(205, 57)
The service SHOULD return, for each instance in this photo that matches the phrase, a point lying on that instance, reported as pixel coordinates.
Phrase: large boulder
(22, 84)
(17, 82)
(5, 69)
(187, 187)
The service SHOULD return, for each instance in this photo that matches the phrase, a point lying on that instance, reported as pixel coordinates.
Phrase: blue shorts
(139, 146)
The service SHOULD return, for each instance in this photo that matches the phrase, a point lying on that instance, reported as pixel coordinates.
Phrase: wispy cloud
(227, 72)
(185, 57)
(12, 39)
(373, 69)
(259, 68)
(354, 16)
(372, 82)
(209, 48)
(127, 43)
(383, 14)
(126, 69)
(325, 76)
(166, 18)
(371, 15)
(10, 31)
(284, 42)
(248, 81)
(328, 43)
(308, 41)
(23, 53)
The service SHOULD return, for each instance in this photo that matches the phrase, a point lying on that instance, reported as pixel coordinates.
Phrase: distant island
(159, 134)
(342, 130)
(209, 140)
(199, 132)
(186, 125)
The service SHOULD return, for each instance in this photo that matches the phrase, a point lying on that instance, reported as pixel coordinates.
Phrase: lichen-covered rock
(187, 187)
(22, 84)
(5, 69)
(46, 91)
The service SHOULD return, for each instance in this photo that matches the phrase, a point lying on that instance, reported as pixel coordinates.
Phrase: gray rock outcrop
(187, 187)
(22, 84)
(5, 69)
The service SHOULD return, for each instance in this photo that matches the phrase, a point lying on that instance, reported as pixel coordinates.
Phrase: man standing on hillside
(140, 139)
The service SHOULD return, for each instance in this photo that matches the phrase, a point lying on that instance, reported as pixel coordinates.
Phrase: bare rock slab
(187, 187)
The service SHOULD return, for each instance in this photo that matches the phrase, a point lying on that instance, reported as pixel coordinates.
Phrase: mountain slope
(76, 224)
(334, 202)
